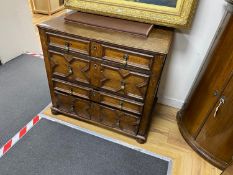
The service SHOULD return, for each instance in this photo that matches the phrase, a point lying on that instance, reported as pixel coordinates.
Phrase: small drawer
(117, 102)
(69, 44)
(71, 89)
(127, 57)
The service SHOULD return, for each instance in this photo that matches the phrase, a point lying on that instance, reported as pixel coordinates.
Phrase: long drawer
(98, 96)
(86, 109)
(120, 81)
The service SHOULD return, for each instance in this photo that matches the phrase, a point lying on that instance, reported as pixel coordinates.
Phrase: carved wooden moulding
(171, 13)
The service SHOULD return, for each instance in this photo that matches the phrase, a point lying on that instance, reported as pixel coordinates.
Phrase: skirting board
(170, 102)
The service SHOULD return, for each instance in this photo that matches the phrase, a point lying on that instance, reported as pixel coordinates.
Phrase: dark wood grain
(44, 43)
(218, 129)
(151, 96)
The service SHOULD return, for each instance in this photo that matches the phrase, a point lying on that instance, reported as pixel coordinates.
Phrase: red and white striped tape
(35, 55)
(36, 119)
(5, 148)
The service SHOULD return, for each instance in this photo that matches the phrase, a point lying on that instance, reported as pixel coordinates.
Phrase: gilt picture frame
(170, 13)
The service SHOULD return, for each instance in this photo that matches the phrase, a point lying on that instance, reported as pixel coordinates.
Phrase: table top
(159, 40)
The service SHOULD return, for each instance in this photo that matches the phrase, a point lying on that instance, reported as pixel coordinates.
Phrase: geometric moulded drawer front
(119, 103)
(98, 96)
(69, 67)
(92, 111)
(117, 80)
(123, 81)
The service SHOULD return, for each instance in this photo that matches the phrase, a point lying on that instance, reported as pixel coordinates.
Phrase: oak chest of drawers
(104, 77)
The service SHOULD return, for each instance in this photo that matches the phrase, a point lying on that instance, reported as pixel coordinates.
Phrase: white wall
(17, 34)
(188, 53)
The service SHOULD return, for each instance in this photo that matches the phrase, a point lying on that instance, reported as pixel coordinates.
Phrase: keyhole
(216, 93)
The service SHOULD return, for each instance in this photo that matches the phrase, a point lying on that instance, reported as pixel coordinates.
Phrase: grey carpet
(23, 93)
(54, 149)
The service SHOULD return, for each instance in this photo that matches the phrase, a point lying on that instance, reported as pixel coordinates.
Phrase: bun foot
(54, 112)
(141, 141)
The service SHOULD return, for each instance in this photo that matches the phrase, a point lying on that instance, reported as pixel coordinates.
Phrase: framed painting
(171, 13)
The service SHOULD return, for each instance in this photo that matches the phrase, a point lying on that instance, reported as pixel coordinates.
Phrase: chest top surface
(158, 41)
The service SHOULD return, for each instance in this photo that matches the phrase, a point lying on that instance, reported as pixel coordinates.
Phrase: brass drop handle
(94, 47)
(118, 123)
(125, 59)
(216, 92)
(122, 85)
(72, 108)
(93, 93)
(67, 45)
(70, 69)
(71, 91)
(121, 104)
(221, 102)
